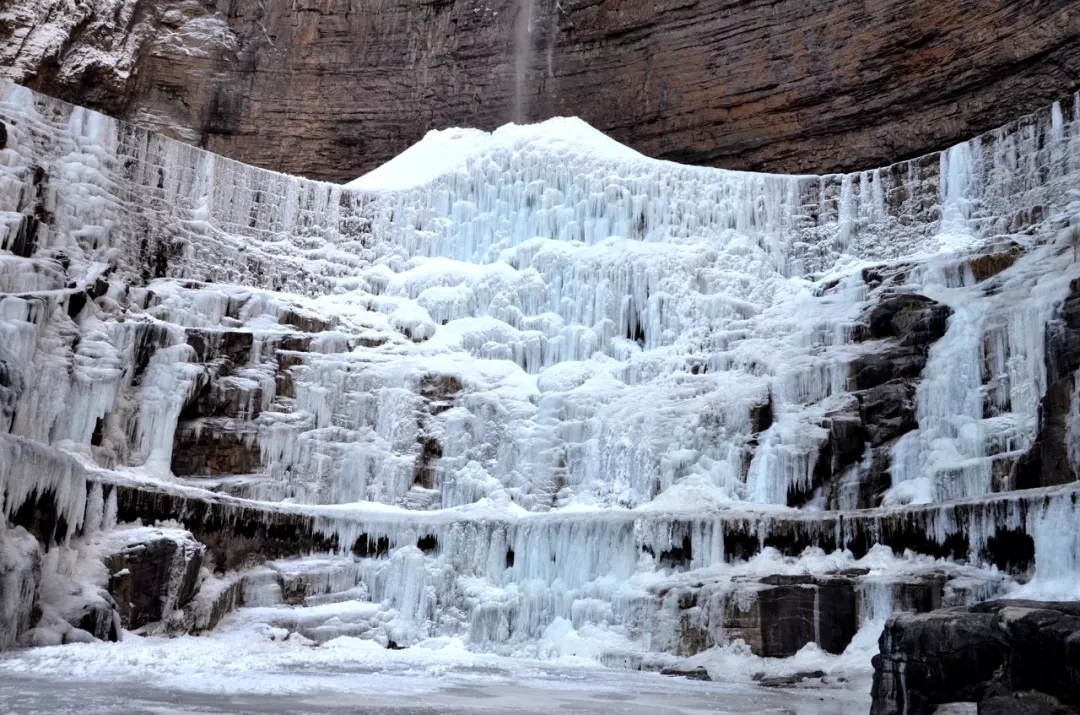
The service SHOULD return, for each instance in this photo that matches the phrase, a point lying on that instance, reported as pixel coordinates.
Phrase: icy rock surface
(152, 572)
(20, 578)
(535, 385)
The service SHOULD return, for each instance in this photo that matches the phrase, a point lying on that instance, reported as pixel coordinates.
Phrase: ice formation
(543, 393)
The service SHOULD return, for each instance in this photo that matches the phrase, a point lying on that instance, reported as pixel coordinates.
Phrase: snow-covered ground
(243, 669)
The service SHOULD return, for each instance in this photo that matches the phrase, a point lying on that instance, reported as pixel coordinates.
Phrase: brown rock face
(332, 88)
(152, 573)
(791, 611)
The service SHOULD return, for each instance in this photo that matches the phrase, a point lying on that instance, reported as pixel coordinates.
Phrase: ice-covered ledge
(71, 500)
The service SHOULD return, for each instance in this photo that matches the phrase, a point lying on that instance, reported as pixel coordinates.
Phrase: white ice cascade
(572, 366)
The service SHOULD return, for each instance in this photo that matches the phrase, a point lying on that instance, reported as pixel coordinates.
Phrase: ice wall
(540, 348)
(608, 275)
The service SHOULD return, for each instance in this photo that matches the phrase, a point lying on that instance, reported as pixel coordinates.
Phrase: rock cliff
(332, 88)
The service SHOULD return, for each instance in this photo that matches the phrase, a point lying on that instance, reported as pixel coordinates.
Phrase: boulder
(687, 671)
(790, 611)
(216, 598)
(98, 618)
(72, 610)
(783, 681)
(153, 572)
(1027, 652)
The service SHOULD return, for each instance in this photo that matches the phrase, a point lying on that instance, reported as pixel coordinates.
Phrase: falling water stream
(523, 28)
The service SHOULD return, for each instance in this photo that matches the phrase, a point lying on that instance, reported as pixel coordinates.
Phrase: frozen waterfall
(545, 394)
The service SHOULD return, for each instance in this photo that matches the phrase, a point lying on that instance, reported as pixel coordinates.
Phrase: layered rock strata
(330, 89)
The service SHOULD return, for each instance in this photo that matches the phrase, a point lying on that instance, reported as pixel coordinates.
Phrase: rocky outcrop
(898, 329)
(328, 91)
(1001, 652)
(790, 611)
(777, 615)
(152, 572)
(1049, 462)
(71, 608)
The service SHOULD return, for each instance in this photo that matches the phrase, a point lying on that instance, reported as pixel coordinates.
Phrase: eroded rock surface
(332, 89)
(152, 572)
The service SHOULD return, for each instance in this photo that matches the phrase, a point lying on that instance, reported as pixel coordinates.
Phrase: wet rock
(884, 379)
(99, 619)
(978, 655)
(894, 364)
(225, 397)
(216, 597)
(1011, 550)
(888, 411)
(781, 681)
(988, 265)
(153, 572)
(285, 385)
(425, 474)
(438, 388)
(11, 387)
(233, 346)
(305, 322)
(777, 615)
(693, 673)
(914, 319)
(306, 578)
(761, 415)
(784, 613)
(149, 338)
(843, 448)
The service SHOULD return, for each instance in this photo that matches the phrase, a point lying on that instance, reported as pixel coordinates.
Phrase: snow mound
(443, 151)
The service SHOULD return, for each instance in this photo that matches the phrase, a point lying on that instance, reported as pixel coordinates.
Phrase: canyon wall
(332, 88)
